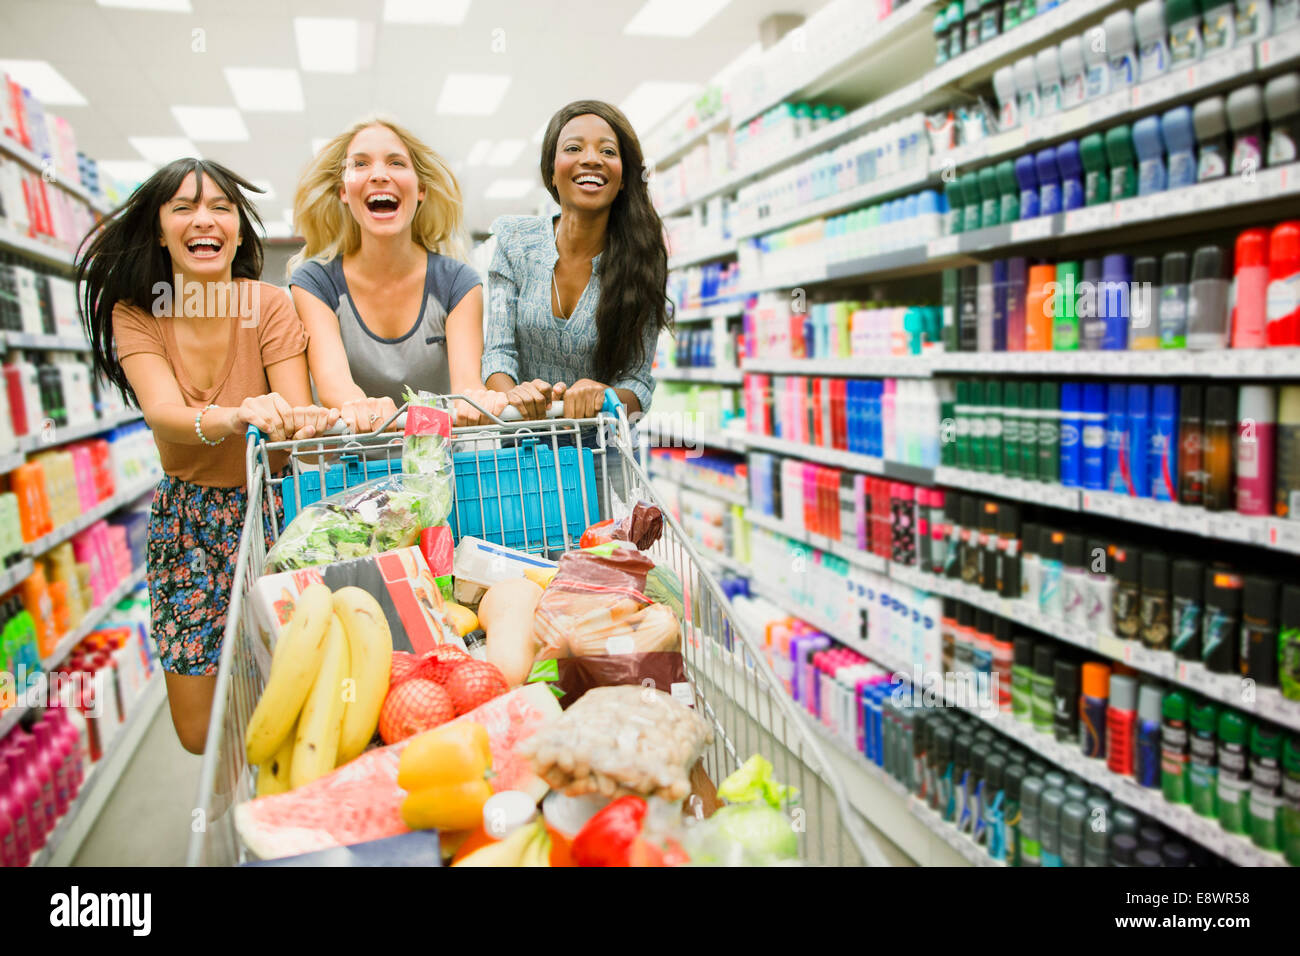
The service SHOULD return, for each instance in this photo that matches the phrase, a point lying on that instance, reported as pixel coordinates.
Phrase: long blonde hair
(328, 226)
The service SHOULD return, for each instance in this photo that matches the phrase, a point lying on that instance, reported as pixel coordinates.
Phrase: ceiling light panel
(472, 94)
(442, 12)
(45, 82)
(673, 18)
(327, 44)
(265, 90)
(211, 124)
(506, 152)
(652, 100)
(161, 6)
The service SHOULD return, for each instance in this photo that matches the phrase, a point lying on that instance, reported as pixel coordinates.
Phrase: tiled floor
(146, 821)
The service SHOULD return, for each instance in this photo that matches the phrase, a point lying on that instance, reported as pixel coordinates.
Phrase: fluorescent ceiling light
(265, 90)
(506, 152)
(478, 153)
(509, 189)
(673, 18)
(277, 230)
(318, 144)
(472, 94)
(45, 82)
(167, 6)
(211, 124)
(132, 171)
(163, 149)
(652, 100)
(425, 11)
(327, 44)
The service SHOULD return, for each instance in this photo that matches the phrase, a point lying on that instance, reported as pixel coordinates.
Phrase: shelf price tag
(1278, 49)
(1028, 230)
(1284, 534)
(938, 248)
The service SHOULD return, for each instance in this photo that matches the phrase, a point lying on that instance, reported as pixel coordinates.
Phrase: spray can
(1101, 588)
(1287, 496)
(1049, 826)
(1043, 682)
(1258, 652)
(1250, 301)
(1031, 792)
(1071, 472)
(1029, 418)
(1121, 724)
(1146, 764)
(1022, 679)
(1092, 709)
(1031, 564)
(979, 755)
(1123, 850)
(1116, 437)
(1216, 447)
(1093, 435)
(1265, 806)
(1288, 643)
(1291, 800)
(994, 806)
(1163, 463)
(1139, 440)
(1256, 439)
(1173, 301)
(1155, 610)
(1113, 301)
(1007, 570)
(1207, 300)
(1074, 818)
(1075, 587)
(1051, 600)
(945, 793)
(1203, 765)
(961, 782)
(1126, 617)
(1065, 701)
(1283, 326)
(1049, 432)
(1234, 771)
(1219, 637)
(1174, 748)
(1191, 428)
(1188, 610)
(1011, 814)
(1097, 833)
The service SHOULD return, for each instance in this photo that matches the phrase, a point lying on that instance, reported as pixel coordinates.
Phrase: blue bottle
(1116, 437)
(1146, 766)
(853, 411)
(1000, 280)
(1180, 143)
(1138, 446)
(1071, 426)
(876, 418)
(1163, 464)
(1150, 150)
(1113, 301)
(1093, 436)
(1027, 179)
(1049, 182)
(1071, 168)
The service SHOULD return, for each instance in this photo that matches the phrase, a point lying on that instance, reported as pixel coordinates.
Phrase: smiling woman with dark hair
(179, 322)
(577, 301)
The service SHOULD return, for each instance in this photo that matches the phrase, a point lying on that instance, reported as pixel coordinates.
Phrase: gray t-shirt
(417, 359)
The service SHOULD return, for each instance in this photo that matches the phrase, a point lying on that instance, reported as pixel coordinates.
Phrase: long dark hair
(634, 265)
(121, 260)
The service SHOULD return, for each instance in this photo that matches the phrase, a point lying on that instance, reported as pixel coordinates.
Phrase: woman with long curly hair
(382, 284)
(578, 300)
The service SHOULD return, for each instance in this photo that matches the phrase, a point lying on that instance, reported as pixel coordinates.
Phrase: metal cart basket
(534, 486)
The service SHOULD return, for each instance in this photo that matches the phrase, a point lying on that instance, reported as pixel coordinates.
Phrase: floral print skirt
(193, 544)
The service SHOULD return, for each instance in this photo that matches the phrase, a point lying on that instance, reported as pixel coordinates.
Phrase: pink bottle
(14, 850)
(1256, 441)
(51, 744)
(43, 772)
(27, 792)
(73, 745)
(1250, 308)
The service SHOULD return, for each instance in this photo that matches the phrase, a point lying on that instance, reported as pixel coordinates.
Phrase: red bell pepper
(609, 838)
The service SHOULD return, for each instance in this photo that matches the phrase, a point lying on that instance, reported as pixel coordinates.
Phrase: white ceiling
(133, 66)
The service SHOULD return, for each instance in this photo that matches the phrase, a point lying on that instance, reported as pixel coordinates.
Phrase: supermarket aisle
(146, 821)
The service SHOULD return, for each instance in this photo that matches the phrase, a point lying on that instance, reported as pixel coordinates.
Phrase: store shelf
(9, 462)
(724, 561)
(10, 717)
(63, 434)
(703, 487)
(12, 241)
(718, 376)
(862, 559)
(72, 528)
(719, 310)
(10, 578)
(71, 831)
(663, 434)
(689, 140)
(42, 343)
(724, 249)
(1038, 492)
(868, 464)
(868, 366)
(885, 186)
(34, 163)
(1155, 363)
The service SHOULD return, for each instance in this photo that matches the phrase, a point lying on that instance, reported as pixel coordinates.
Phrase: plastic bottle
(1283, 301)
(1123, 162)
(1282, 105)
(1174, 747)
(1188, 611)
(1153, 50)
(1207, 300)
(1150, 149)
(1070, 166)
(1287, 493)
(1092, 709)
(1249, 310)
(1096, 180)
(1074, 89)
(1038, 312)
(1234, 771)
(1049, 182)
(1245, 109)
(1203, 762)
(1218, 26)
(1047, 66)
(1027, 89)
(1009, 193)
(1210, 120)
(1101, 588)
(1065, 321)
(1027, 178)
(1097, 67)
(1147, 757)
(1121, 48)
(1220, 636)
(1143, 305)
(26, 789)
(1185, 43)
(1180, 143)
(1254, 20)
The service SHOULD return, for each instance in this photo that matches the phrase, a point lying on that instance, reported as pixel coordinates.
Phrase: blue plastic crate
(348, 473)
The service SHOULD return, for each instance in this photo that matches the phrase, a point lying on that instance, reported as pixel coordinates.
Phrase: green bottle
(990, 198)
(993, 427)
(1022, 679)
(978, 459)
(956, 211)
(1203, 760)
(1096, 178)
(962, 425)
(970, 198)
(1031, 791)
(1234, 771)
(1015, 777)
(1265, 787)
(1010, 15)
(1010, 191)
(1029, 431)
(1291, 800)
(1011, 429)
(1049, 432)
(1122, 161)
(948, 434)
(1065, 325)
(1173, 747)
(951, 302)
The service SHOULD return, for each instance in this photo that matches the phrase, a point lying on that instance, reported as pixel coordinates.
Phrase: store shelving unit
(12, 576)
(72, 528)
(688, 480)
(33, 162)
(62, 435)
(719, 375)
(43, 343)
(706, 313)
(11, 241)
(721, 249)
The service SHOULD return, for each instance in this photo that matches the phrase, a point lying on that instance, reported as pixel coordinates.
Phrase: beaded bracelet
(198, 428)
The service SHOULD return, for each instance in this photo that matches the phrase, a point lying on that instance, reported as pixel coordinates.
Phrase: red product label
(423, 420)
(438, 549)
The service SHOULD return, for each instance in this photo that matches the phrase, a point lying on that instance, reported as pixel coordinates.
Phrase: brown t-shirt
(276, 335)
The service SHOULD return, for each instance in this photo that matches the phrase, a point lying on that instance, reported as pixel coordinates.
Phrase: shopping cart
(534, 486)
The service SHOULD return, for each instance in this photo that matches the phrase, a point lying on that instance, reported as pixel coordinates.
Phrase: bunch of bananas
(530, 845)
(321, 703)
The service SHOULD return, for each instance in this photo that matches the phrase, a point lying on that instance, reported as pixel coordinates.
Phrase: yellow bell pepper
(445, 773)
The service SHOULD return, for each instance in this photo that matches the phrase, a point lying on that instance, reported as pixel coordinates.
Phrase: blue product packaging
(1113, 301)
(1049, 182)
(1180, 143)
(1071, 427)
(1116, 437)
(1071, 169)
(1027, 179)
(1163, 463)
(1000, 281)
(1138, 446)
(1150, 150)
(1093, 436)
